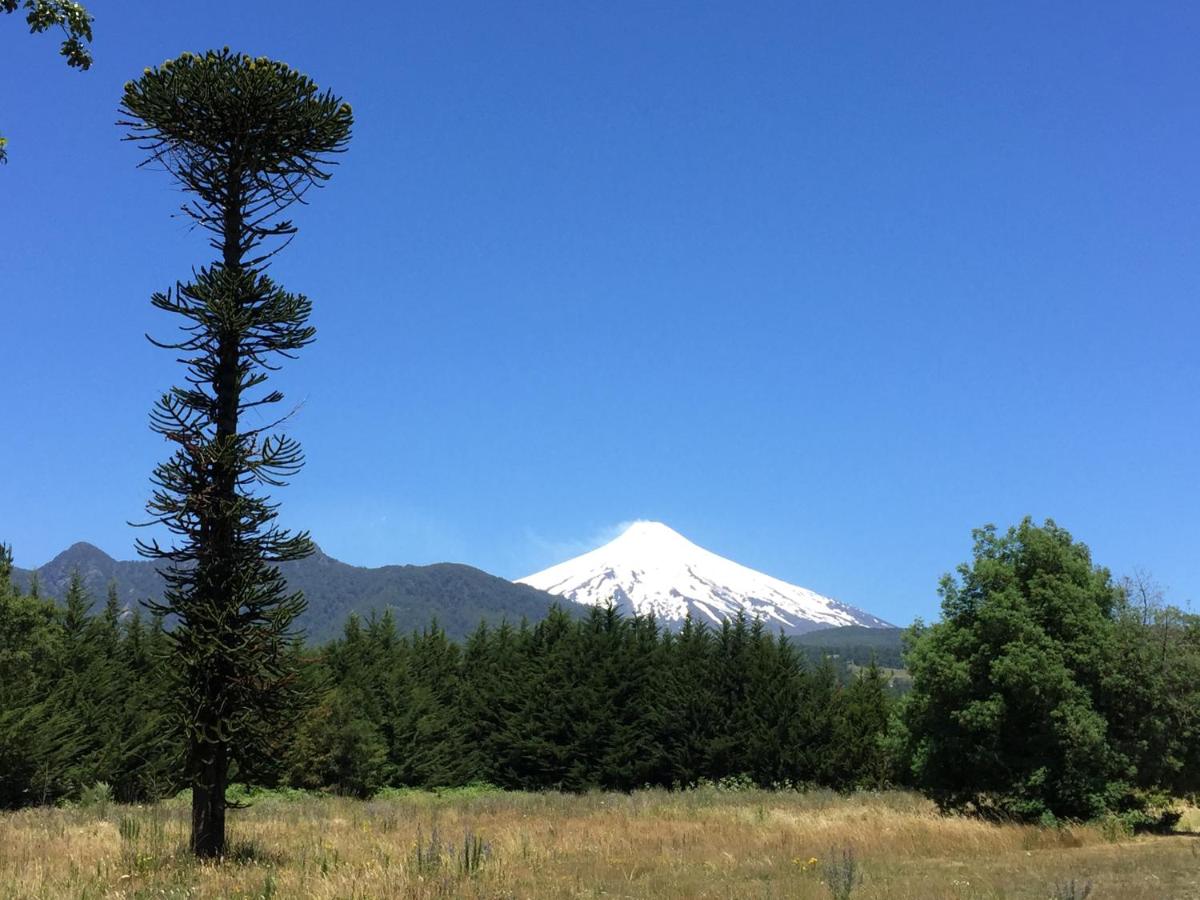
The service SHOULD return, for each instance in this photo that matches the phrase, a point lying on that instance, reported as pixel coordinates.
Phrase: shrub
(96, 798)
(842, 874)
(1071, 890)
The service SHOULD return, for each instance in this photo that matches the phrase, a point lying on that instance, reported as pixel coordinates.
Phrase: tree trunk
(208, 803)
(211, 761)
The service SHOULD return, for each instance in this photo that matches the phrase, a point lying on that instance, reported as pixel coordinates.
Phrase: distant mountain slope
(135, 580)
(458, 596)
(856, 645)
(651, 568)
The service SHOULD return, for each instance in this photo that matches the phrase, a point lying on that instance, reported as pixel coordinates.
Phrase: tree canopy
(1021, 702)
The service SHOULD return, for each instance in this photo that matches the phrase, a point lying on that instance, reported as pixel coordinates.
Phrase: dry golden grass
(649, 844)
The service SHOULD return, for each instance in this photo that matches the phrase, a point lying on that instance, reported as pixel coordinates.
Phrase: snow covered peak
(651, 539)
(651, 568)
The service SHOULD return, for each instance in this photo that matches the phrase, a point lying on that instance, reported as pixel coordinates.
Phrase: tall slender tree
(245, 138)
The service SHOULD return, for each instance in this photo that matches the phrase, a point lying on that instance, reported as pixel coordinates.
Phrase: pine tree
(484, 700)
(112, 619)
(495, 677)
(78, 605)
(820, 709)
(388, 683)
(637, 753)
(589, 681)
(433, 754)
(149, 750)
(245, 138)
(29, 636)
(338, 748)
(71, 726)
(688, 703)
(541, 733)
(862, 758)
(726, 751)
(775, 695)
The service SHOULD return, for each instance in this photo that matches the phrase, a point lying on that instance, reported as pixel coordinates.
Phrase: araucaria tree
(245, 138)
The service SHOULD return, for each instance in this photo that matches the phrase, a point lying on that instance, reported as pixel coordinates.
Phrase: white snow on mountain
(651, 568)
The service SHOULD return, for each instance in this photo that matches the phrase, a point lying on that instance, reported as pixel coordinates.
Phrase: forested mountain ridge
(856, 644)
(458, 596)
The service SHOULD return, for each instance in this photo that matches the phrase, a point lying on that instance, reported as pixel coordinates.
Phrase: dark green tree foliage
(339, 746)
(80, 700)
(30, 647)
(604, 702)
(1038, 695)
(614, 702)
(1152, 695)
(244, 138)
(638, 751)
(860, 733)
(688, 724)
(71, 18)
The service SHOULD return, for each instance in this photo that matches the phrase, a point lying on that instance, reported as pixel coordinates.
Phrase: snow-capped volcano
(651, 568)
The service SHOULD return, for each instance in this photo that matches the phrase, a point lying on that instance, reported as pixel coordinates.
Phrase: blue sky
(822, 286)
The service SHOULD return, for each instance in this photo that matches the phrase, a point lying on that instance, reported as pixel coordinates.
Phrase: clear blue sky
(823, 285)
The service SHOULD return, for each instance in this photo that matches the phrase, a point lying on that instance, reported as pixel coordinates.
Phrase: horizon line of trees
(608, 701)
(1046, 691)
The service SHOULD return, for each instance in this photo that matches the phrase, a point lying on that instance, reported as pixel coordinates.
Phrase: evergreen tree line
(82, 698)
(1046, 691)
(608, 701)
(604, 702)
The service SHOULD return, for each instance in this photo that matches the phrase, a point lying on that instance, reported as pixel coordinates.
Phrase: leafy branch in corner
(72, 18)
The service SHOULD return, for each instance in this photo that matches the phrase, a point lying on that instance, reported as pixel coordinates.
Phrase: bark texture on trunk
(208, 803)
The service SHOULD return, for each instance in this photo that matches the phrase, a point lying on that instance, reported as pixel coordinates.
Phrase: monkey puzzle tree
(245, 138)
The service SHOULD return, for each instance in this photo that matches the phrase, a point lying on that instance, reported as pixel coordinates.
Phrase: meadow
(476, 843)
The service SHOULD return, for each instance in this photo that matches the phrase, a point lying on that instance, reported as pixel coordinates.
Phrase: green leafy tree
(244, 138)
(338, 748)
(1153, 690)
(1006, 715)
(342, 745)
(71, 18)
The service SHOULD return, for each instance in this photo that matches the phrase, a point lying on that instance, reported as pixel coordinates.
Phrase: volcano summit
(651, 568)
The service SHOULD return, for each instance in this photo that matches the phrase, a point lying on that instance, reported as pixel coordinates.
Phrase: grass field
(704, 843)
